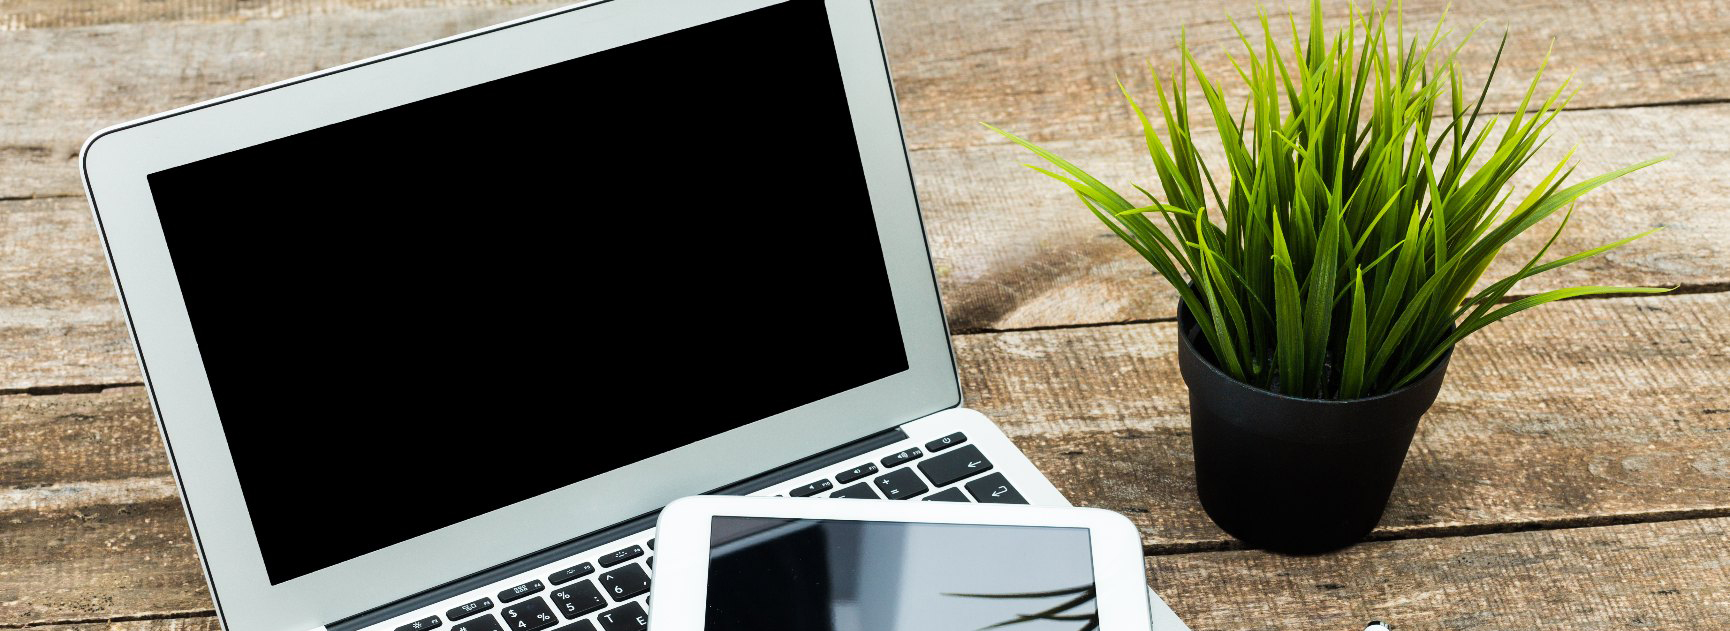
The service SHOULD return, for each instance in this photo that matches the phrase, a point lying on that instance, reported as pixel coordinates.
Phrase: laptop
(433, 335)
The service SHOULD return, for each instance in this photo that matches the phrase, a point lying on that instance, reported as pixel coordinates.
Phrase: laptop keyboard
(607, 588)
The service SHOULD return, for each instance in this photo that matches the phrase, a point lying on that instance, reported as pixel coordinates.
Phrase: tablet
(755, 564)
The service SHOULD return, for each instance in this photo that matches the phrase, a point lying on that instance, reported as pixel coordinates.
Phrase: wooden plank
(49, 441)
(90, 524)
(1015, 249)
(99, 561)
(1043, 68)
(199, 620)
(1668, 575)
(1610, 408)
(1583, 412)
(1588, 412)
(1047, 68)
(1653, 575)
(1012, 250)
(18, 15)
(60, 321)
(65, 84)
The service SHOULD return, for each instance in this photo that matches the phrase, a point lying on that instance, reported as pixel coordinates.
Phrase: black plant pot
(1293, 475)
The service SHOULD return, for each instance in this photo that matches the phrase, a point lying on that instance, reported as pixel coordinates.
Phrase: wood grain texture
(1012, 250)
(194, 620)
(1667, 575)
(98, 561)
(47, 441)
(18, 15)
(1047, 68)
(62, 85)
(1589, 412)
(1042, 68)
(1582, 409)
(60, 320)
(1607, 419)
(1592, 411)
(1015, 249)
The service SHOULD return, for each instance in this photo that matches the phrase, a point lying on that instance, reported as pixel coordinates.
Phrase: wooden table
(1575, 473)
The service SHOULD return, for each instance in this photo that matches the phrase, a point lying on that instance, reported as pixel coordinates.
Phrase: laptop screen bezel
(116, 162)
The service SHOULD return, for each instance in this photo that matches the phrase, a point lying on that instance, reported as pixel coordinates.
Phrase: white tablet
(755, 564)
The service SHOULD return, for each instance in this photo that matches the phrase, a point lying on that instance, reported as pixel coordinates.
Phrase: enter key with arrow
(994, 489)
(959, 464)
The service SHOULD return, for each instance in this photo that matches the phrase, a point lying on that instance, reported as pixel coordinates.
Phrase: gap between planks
(1679, 290)
(163, 615)
(71, 388)
(1471, 530)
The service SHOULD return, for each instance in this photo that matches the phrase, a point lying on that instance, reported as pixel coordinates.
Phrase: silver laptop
(431, 336)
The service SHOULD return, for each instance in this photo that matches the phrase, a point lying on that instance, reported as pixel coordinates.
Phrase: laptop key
(811, 489)
(995, 489)
(955, 466)
(621, 556)
(945, 442)
(572, 573)
(468, 609)
(902, 457)
(948, 495)
(529, 615)
(855, 473)
(513, 593)
(430, 622)
(901, 484)
(483, 623)
(625, 582)
(578, 600)
(629, 617)
(860, 491)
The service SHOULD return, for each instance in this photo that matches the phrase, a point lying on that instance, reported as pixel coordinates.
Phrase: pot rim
(1185, 320)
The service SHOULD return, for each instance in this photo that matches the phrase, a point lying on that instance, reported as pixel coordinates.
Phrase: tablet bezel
(682, 547)
(117, 160)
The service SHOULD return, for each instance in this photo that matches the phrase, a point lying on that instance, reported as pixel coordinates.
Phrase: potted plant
(1327, 269)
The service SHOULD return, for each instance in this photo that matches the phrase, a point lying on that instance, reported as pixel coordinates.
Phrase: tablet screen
(834, 575)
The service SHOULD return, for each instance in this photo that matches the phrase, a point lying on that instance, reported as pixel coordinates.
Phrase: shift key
(956, 465)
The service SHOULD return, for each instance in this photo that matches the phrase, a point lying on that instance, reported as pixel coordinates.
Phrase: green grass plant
(1341, 258)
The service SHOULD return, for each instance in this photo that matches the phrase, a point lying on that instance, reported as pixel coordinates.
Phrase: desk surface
(1574, 474)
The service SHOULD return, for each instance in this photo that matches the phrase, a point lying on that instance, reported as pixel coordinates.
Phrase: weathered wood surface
(1044, 68)
(1665, 575)
(1604, 425)
(1586, 413)
(201, 620)
(60, 320)
(1593, 411)
(1015, 249)
(95, 561)
(1012, 249)
(51, 445)
(1022, 64)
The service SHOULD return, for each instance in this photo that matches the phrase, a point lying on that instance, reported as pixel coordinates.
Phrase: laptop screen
(434, 311)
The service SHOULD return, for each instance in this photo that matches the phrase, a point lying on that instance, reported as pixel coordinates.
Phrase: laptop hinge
(609, 533)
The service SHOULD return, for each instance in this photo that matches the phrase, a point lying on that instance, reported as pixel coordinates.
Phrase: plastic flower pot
(1295, 475)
